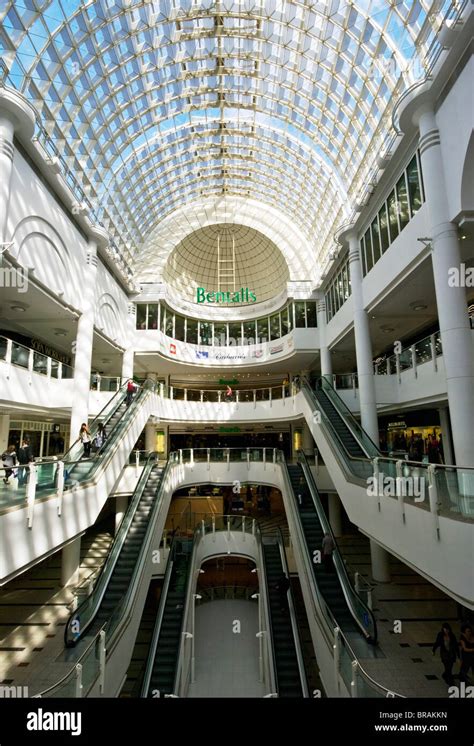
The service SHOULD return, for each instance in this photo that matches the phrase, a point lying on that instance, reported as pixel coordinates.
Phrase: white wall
(46, 241)
(458, 108)
(111, 307)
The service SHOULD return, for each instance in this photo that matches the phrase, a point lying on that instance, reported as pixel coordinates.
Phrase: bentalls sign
(244, 295)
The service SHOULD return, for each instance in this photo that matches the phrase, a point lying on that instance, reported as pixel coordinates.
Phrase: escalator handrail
(158, 621)
(189, 599)
(354, 427)
(346, 585)
(293, 620)
(330, 623)
(326, 423)
(108, 567)
(265, 601)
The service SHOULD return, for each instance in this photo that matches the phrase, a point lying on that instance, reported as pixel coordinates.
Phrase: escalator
(162, 663)
(288, 674)
(117, 572)
(348, 431)
(353, 617)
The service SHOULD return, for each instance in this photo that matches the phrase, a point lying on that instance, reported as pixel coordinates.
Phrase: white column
(324, 351)
(83, 346)
(128, 355)
(150, 436)
(4, 430)
(335, 518)
(456, 335)
(307, 440)
(121, 505)
(380, 560)
(70, 561)
(447, 435)
(363, 344)
(6, 163)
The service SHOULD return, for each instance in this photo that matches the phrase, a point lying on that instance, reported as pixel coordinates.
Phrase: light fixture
(387, 328)
(60, 332)
(19, 307)
(418, 305)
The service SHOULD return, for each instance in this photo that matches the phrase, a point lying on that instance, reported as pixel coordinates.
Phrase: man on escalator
(328, 548)
(282, 587)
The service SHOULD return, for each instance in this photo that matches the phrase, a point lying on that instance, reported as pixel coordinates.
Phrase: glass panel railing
(423, 351)
(405, 359)
(85, 613)
(40, 363)
(360, 611)
(3, 348)
(66, 371)
(54, 368)
(13, 481)
(20, 355)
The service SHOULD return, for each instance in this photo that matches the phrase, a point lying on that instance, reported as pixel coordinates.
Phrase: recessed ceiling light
(60, 332)
(418, 305)
(19, 307)
(387, 328)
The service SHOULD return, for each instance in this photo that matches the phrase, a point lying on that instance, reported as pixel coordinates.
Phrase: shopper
(328, 548)
(130, 392)
(25, 457)
(466, 644)
(9, 461)
(449, 651)
(86, 440)
(101, 436)
(433, 450)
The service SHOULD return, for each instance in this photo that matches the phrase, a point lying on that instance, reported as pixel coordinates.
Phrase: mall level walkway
(227, 661)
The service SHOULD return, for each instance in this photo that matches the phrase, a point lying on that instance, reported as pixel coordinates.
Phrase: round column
(363, 344)
(456, 335)
(335, 514)
(83, 346)
(324, 351)
(380, 561)
(307, 440)
(447, 435)
(70, 561)
(129, 353)
(150, 437)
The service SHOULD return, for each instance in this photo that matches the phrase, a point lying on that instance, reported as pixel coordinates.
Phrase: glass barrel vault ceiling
(154, 105)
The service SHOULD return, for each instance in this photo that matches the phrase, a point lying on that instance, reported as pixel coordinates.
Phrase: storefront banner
(237, 355)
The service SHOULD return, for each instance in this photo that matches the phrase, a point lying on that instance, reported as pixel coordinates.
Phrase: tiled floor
(33, 611)
(227, 661)
(409, 667)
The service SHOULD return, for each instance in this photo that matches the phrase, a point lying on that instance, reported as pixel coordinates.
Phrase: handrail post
(248, 459)
(219, 397)
(337, 655)
(369, 598)
(243, 528)
(433, 353)
(213, 528)
(274, 458)
(255, 398)
(162, 390)
(8, 356)
(181, 456)
(171, 392)
(208, 459)
(78, 680)
(389, 367)
(375, 463)
(397, 365)
(228, 528)
(413, 360)
(399, 490)
(433, 497)
(264, 458)
(270, 397)
(203, 528)
(191, 457)
(253, 526)
(137, 462)
(102, 660)
(60, 485)
(31, 492)
(186, 394)
(228, 458)
(354, 688)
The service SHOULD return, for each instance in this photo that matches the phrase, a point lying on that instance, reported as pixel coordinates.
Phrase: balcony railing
(14, 353)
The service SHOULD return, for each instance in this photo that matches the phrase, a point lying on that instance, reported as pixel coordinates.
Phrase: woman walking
(449, 651)
(86, 440)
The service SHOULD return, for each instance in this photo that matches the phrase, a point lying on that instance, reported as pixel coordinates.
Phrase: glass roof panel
(151, 105)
